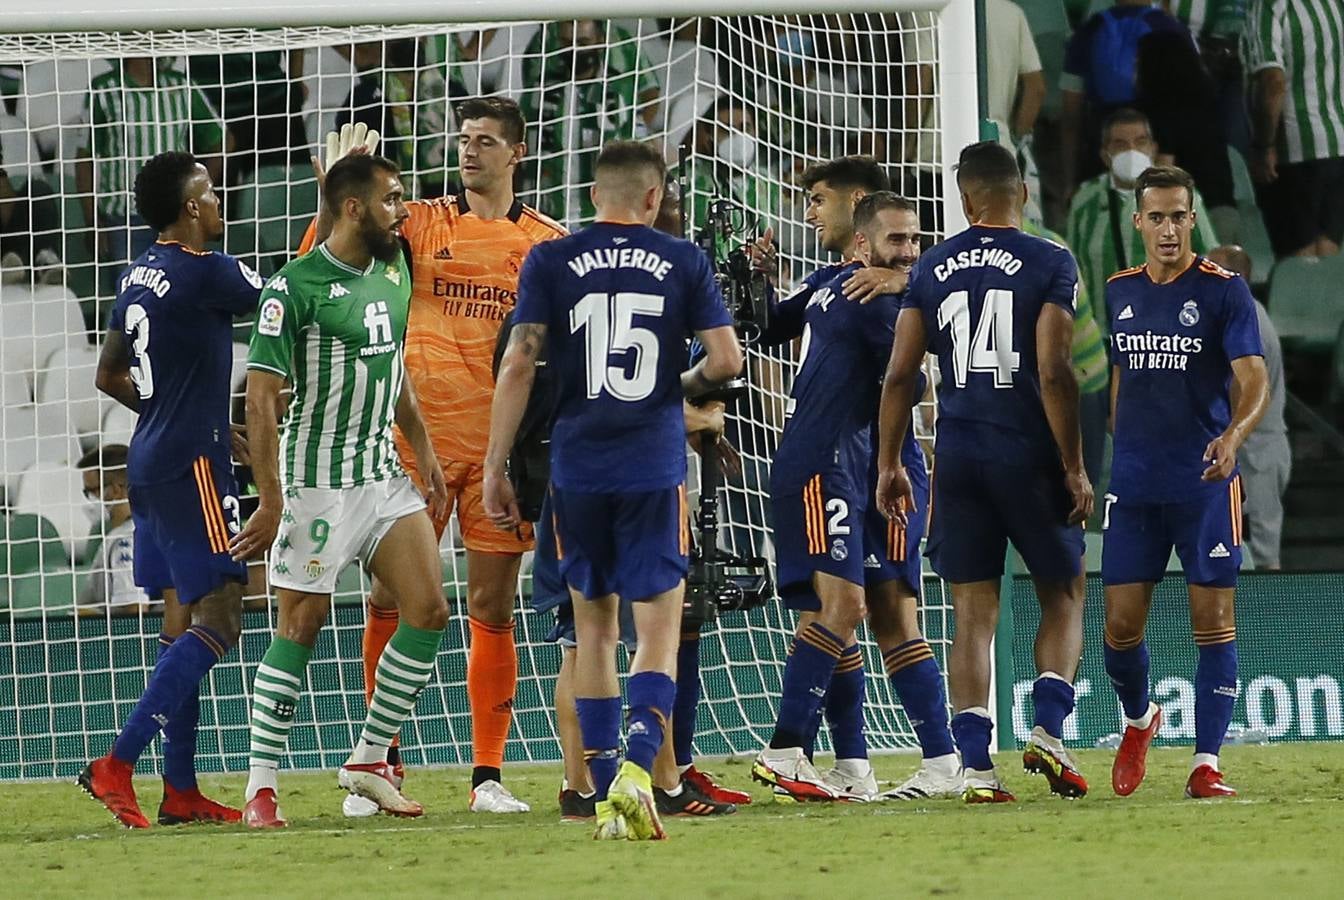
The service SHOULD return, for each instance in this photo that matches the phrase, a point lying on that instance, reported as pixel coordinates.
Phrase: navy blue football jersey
(618, 302)
(844, 353)
(1174, 344)
(981, 293)
(176, 308)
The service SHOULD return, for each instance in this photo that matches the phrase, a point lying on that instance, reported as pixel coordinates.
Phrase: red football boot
(1131, 760)
(262, 811)
(180, 807)
(108, 781)
(1206, 783)
(716, 793)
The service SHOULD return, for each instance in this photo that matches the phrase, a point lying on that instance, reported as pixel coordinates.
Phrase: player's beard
(891, 262)
(382, 243)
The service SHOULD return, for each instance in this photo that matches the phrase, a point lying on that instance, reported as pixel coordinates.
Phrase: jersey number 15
(607, 321)
(990, 349)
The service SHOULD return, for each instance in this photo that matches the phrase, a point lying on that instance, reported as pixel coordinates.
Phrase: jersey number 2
(607, 321)
(142, 373)
(991, 348)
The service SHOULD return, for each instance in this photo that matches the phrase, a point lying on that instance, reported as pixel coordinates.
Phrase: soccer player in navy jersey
(1189, 384)
(167, 356)
(614, 305)
(996, 307)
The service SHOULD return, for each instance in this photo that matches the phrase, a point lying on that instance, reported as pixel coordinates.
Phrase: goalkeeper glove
(340, 144)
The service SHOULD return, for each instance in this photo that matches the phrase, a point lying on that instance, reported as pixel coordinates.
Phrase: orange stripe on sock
(1116, 644)
(208, 639)
(822, 641)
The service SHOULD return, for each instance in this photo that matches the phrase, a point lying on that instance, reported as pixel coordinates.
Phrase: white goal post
(804, 79)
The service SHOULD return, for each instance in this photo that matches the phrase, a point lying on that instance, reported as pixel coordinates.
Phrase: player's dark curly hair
(848, 173)
(160, 185)
(990, 164)
(503, 110)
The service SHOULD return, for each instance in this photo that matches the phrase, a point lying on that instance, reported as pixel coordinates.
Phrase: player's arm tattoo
(529, 339)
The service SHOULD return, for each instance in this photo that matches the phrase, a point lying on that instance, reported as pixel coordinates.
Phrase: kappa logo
(870, 562)
(443, 253)
(1219, 552)
(1189, 314)
(337, 290)
(1126, 313)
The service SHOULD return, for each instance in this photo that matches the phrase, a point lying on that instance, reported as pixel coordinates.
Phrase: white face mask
(1129, 165)
(738, 148)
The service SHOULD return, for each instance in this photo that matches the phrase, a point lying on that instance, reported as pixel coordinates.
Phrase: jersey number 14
(990, 349)
(607, 321)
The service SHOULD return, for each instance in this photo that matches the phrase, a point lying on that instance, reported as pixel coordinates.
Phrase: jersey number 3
(142, 373)
(608, 324)
(991, 348)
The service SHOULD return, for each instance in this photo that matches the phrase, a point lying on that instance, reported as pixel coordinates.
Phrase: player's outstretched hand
(353, 138)
(501, 504)
(874, 281)
(1221, 455)
(895, 495)
(238, 445)
(765, 256)
(258, 535)
(437, 495)
(1080, 495)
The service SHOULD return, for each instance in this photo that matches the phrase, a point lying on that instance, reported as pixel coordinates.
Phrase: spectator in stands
(1099, 77)
(261, 96)
(141, 107)
(1016, 88)
(1186, 122)
(1217, 26)
(724, 156)
(922, 153)
(111, 585)
(384, 99)
(1101, 225)
(1293, 51)
(1266, 457)
(814, 90)
(587, 83)
(681, 56)
(30, 217)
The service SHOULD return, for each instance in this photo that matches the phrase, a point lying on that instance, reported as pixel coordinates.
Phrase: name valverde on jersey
(336, 332)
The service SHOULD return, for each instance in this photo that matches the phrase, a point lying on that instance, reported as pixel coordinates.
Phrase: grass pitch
(1284, 835)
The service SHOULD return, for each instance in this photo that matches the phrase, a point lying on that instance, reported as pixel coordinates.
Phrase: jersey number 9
(608, 324)
(142, 373)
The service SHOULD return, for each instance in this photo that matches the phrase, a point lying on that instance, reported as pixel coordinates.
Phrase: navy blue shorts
(891, 552)
(818, 528)
(1206, 533)
(976, 508)
(631, 544)
(182, 532)
(549, 591)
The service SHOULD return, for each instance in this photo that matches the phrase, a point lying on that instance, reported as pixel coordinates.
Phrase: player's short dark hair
(866, 210)
(1164, 177)
(990, 164)
(108, 457)
(1125, 115)
(160, 186)
(631, 156)
(848, 173)
(503, 110)
(351, 176)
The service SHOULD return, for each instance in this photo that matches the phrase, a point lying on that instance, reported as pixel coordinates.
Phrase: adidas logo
(1219, 552)
(870, 562)
(337, 290)
(443, 253)
(1126, 313)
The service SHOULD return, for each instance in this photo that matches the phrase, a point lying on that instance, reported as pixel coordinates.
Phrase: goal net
(740, 105)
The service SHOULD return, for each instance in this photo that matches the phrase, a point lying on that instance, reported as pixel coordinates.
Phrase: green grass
(1282, 835)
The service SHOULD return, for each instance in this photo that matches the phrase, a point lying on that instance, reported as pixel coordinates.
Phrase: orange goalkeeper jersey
(465, 281)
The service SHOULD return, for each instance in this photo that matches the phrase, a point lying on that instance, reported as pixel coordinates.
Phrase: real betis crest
(393, 274)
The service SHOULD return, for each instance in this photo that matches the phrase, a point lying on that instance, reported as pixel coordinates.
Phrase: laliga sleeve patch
(250, 275)
(271, 317)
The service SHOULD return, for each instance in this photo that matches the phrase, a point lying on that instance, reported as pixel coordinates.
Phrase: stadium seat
(118, 425)
(1306, 302)
(14, 390)
(29, 543)
(56, 491)
(279, 202)
(42, 592)
(27, 435)
(34, 323)
(1251, 233)
(66, 378)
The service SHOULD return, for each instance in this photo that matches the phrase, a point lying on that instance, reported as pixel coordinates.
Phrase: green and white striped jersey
(1209, 17)
(1305, 39)
(337, 334)
(131, 123)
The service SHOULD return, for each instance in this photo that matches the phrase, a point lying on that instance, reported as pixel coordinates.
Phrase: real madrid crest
(1189, 314)
(839, 552)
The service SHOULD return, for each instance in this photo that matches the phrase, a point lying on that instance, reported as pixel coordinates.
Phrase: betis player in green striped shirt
(1292, 53)
(332, 490)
